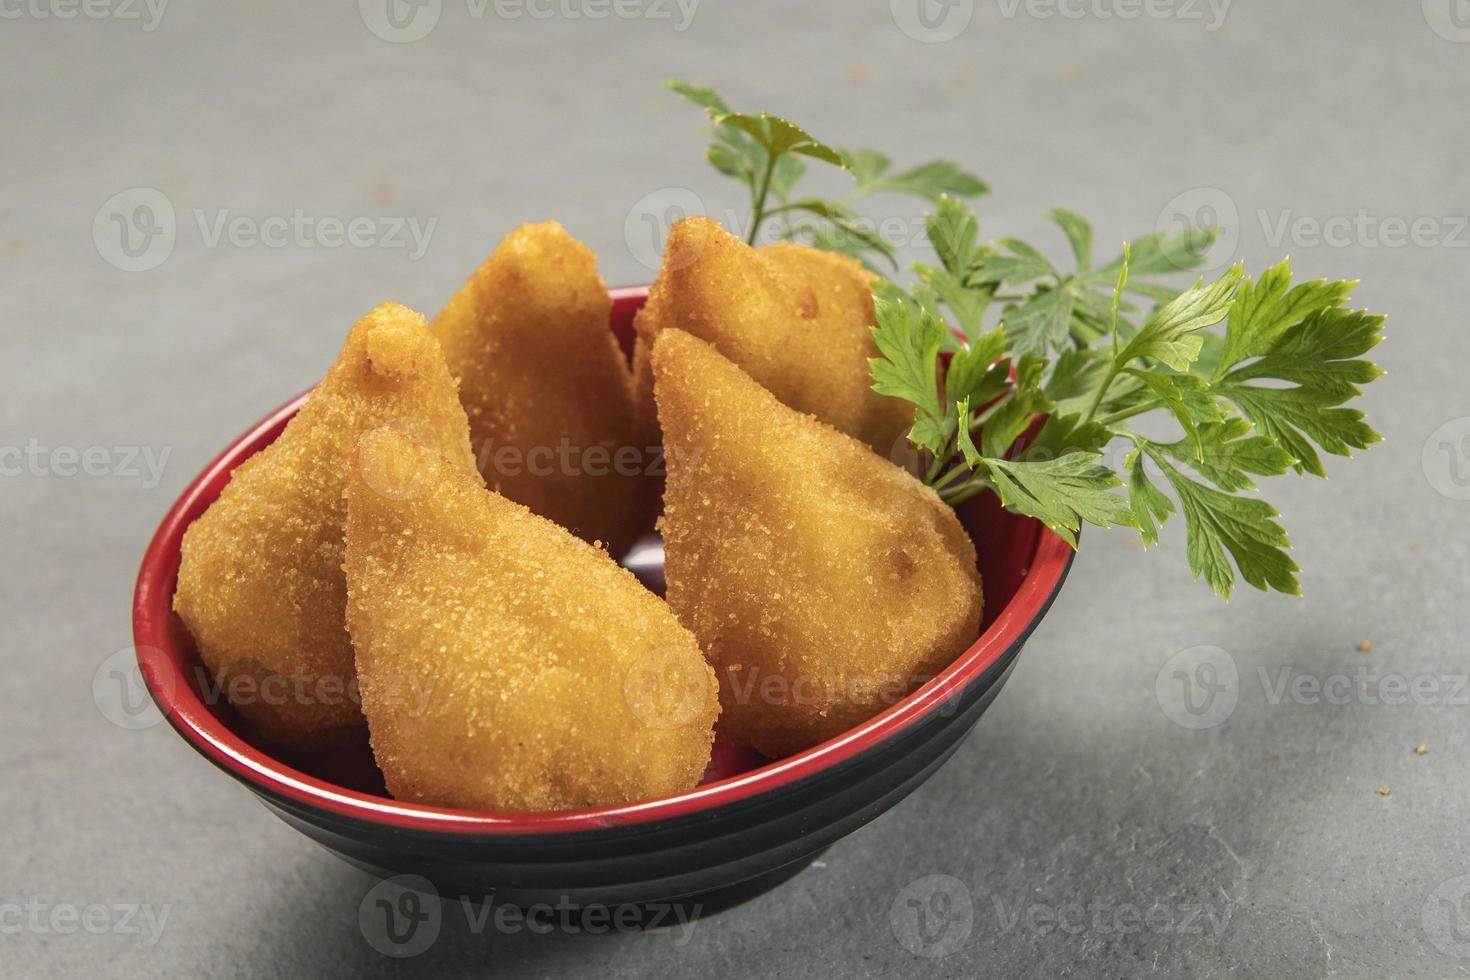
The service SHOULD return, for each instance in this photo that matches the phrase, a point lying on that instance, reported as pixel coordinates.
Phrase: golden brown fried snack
(548, 391)
(506, 664)
(823, 582)
(261, 586)
(796, 319)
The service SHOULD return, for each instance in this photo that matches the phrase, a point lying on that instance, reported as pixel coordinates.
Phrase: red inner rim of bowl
(1040, 555)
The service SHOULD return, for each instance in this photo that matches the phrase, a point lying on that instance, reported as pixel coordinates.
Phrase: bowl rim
(159, 663)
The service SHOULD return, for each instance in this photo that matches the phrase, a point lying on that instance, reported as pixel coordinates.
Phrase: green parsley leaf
(1041, 323)
(1162, 253)
(954, 234)
(1227, 455)
(1245, 529)
(1168, 334)
(1061, 493)
(1066, 433)
(1022, 265)
(909, 341)
(1006, 421)
(1079, 234)
(777, 136)
(1145, 500)
(979, 373)
(930, 181)
(1300, 337)
(1255, 374)
(1264, 310)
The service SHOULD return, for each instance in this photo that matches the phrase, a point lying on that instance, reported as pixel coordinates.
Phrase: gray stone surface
(1262, 845)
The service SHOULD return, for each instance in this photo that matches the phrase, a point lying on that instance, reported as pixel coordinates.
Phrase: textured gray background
(1263, 843)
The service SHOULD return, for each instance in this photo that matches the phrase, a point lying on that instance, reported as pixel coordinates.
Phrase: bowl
(751, 823)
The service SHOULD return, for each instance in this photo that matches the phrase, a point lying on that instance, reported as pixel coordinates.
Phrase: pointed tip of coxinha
(823, 582)
(396, 341)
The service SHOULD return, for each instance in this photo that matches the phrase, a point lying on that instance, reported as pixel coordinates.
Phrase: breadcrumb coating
(824, 583)
(261, 586)
(548, 391)
(506, 664)
(796, 319)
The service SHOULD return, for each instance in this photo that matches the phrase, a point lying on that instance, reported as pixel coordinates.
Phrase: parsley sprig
(765, 153)
(1022, 374)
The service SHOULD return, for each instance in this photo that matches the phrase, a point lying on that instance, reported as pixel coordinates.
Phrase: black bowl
(752, 823)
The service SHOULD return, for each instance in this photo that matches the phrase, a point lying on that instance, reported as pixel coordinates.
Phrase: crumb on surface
(1384, 791)
(1422, 749)
(1366, 646)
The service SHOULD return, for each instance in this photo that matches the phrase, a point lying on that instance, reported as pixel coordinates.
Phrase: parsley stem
(936, 467)
(963, 469)
(958, 495)
(1128, 413)
(760, 199)
(1102, 391)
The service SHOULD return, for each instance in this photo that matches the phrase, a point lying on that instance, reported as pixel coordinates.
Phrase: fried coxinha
(547, 389)
(503, 663)
(823, 582)
(261, 587)
(797, 320)
(506, 664)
